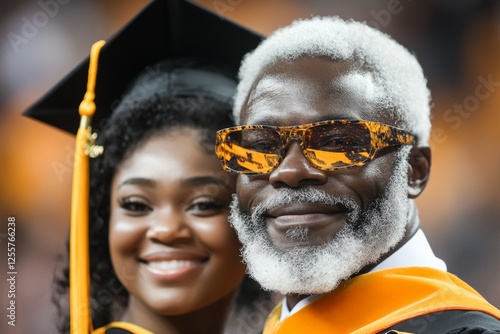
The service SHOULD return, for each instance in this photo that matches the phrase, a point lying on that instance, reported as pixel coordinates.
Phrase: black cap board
(163, 29)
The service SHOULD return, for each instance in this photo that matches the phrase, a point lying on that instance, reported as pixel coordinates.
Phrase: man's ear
(418, 170)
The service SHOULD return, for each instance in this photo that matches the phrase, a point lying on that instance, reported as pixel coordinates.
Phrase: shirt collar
(416, 252)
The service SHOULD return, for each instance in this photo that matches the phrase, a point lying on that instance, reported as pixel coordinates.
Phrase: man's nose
(295, 171)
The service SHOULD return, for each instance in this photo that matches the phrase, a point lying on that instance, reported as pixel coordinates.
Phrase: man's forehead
(308, 83)
(346, 83)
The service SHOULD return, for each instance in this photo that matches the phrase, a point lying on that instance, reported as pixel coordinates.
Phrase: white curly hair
(395, 69)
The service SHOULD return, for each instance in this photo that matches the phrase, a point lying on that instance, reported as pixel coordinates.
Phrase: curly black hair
(138, 117)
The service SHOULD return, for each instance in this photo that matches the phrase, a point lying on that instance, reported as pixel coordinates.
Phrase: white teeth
(174, 264)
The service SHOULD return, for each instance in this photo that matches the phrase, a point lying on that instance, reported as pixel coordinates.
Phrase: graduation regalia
(408, 299)
(121, 327)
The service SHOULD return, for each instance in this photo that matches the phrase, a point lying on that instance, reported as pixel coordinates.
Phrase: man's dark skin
(308, 90)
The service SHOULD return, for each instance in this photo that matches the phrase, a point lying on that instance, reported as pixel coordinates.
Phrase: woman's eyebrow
(139, 181)
(203, 180)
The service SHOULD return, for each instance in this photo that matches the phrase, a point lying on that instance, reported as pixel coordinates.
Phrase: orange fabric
(123, 325)
(375, 301)
(79, 262)
(273, 320)
(79, 281)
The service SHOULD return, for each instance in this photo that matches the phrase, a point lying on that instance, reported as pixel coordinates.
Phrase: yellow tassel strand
(79, 286)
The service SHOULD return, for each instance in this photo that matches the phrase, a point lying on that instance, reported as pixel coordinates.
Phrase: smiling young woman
(150, 247)
(163, 257)
(168, 232)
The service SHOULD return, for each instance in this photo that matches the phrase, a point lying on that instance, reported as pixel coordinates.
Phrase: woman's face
(170, 242)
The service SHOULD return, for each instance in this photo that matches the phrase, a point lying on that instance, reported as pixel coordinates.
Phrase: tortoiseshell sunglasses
(328, 145)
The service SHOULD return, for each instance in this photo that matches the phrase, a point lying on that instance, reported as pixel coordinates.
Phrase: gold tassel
(79, 280)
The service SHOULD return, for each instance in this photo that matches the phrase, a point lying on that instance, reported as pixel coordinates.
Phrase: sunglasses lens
(338, 145)
(251, 150)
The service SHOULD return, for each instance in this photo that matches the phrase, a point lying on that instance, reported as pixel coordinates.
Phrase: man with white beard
(331, 152)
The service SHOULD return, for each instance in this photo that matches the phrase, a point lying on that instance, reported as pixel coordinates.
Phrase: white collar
(416, 252)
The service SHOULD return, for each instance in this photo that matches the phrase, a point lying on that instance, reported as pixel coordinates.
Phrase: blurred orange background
(457, 42)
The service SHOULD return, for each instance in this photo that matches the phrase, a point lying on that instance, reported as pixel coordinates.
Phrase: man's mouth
(304, 214)
(304, 224)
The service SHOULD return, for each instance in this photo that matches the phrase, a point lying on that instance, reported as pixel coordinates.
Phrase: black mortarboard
(164, 29)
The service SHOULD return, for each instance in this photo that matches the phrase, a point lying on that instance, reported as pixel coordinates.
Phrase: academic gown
(404, 299)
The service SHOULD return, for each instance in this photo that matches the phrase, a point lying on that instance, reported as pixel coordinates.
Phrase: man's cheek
(244, 190)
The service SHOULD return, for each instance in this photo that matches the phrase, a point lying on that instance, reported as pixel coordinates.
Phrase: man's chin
(296, 263)
(284, 245)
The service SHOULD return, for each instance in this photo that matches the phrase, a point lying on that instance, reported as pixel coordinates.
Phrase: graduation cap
(165, 29)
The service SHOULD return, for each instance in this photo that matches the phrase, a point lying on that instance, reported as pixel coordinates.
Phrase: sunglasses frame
(381, 136)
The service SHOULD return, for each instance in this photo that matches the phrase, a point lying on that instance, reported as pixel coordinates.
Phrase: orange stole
(372, 302)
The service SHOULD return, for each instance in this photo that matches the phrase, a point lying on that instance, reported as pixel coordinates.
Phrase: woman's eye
(135, 206)
(206, 206)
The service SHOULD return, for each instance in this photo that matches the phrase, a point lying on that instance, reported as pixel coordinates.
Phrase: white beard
(364, 238)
